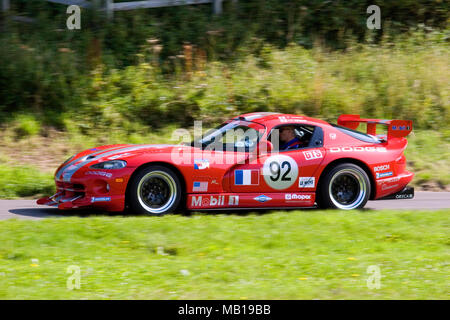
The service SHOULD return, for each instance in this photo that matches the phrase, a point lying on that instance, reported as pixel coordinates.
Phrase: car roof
(266, 117)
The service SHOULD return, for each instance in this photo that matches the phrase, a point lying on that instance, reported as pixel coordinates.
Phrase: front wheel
(345, 187)
(155, 190)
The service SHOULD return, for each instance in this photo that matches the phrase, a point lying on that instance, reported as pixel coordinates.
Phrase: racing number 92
(280, 171)
(276, 172)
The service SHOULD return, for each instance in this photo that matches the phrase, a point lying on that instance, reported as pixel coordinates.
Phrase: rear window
(357, 135)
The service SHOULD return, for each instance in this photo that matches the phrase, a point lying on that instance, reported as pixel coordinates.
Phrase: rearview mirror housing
(265, 147)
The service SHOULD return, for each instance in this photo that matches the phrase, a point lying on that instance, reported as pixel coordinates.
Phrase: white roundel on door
(280, 171)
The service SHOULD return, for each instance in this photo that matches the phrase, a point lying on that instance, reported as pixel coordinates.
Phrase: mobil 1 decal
(280, 171)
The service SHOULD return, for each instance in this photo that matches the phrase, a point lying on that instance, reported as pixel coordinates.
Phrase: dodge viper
(244, 163)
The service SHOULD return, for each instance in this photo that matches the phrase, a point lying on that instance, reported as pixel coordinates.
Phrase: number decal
(275, 171)
(284, 178)
(280, 171)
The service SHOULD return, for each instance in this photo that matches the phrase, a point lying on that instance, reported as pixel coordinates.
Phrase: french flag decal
(246, 177)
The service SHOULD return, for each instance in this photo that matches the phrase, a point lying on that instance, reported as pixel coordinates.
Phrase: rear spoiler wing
(396, 128)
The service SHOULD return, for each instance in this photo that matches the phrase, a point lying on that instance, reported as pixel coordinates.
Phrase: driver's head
(287, 133)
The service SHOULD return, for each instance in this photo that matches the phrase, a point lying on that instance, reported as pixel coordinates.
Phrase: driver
(288, 140)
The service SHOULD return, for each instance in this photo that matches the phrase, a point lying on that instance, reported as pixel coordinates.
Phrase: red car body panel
(228, 179)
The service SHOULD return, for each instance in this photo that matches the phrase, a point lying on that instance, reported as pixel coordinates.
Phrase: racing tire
(155, 190)
(344, 187)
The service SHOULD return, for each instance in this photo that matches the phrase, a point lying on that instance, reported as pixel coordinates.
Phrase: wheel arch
(357, 162)
(159, 163)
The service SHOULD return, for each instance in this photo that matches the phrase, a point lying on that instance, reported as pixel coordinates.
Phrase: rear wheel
(345, 187)
(155, 190)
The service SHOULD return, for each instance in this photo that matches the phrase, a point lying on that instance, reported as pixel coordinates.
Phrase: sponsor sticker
(358, 149)
(246, 177)
(381, 168)
(99, 173)
(384, 174)
(286, 119)
(296, 197)
(211, 201)
(200, 186)
(233, 200)
(400, 128)
(200, 164)
(333, 136)
(389, 180)
(306, 182)
(387, 187)
(120, 155)
(404, 196)
(314, 154)
(262, 198)
(100, 199)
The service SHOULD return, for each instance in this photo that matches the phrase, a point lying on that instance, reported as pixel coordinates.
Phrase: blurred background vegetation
(148, 70)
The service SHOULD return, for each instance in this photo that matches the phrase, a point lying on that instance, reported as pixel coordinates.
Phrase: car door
(284, 171)
(229, 144)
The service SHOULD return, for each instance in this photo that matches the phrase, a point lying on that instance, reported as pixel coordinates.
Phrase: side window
(357, 135)
(317, 138)
(288, 137)
(242, 136)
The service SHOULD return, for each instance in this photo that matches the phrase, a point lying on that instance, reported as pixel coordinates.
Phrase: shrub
(26, 126)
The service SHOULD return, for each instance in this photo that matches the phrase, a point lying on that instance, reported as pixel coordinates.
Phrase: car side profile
(246, 162)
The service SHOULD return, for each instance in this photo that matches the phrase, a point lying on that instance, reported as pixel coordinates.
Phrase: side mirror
(265, 147)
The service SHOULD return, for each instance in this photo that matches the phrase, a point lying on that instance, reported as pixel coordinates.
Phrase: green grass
(24, 181)
(278, 255)
(428, 156)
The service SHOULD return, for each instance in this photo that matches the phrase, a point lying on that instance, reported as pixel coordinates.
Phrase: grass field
(276, 255)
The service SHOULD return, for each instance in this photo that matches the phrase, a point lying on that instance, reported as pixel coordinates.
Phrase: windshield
(235, 135)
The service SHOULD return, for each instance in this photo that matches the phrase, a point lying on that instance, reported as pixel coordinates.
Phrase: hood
(104, 153)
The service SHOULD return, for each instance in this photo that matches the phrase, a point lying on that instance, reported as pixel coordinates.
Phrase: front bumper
(58, 200)
(95, 193)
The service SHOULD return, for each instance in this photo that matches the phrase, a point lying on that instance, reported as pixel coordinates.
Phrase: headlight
(113, 164)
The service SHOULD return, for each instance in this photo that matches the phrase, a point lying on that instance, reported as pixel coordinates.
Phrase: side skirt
(250, 200)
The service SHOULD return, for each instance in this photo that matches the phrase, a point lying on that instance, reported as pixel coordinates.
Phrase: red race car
(256, 160)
